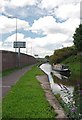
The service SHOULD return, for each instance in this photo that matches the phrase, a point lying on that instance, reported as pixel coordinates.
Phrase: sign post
(19, 45)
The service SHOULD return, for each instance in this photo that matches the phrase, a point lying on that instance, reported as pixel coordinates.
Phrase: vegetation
(78, 38)
(61, 54)
(74, 64)
(47, 56)
(69, 108)
(62, 103)
(26, 99)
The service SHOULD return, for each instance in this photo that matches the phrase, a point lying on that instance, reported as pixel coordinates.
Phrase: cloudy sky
(45, 25)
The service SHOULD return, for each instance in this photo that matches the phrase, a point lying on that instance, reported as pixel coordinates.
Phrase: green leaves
(78, 38)
(61, 54)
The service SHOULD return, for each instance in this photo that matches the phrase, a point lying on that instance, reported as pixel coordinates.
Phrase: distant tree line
(61, 54)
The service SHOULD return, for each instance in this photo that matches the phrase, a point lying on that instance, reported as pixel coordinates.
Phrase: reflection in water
(61, 76)
(69, 87)
(58, 86)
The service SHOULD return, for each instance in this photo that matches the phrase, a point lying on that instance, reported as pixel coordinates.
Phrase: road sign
(19, 44)
(36, 55)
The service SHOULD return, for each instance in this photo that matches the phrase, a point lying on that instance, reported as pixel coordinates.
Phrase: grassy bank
(27, 99)
(74, 63)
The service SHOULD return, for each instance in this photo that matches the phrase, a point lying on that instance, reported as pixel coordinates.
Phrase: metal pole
(17, 61)
(16, 34)
(19, 57)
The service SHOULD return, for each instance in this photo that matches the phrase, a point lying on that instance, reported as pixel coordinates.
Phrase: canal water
(68, 86)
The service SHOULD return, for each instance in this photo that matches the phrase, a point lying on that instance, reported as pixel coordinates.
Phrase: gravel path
(11, 79)
(43, 79)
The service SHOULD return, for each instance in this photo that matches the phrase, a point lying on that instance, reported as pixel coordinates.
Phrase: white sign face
(19, 44)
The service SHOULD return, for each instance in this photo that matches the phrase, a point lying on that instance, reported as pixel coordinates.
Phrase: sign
(36, 55)
(19, 44)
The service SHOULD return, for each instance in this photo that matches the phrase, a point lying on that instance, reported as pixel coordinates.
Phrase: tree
(47, 56)
(61, 54)
(78, 38)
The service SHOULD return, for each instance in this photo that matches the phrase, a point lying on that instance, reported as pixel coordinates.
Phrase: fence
(11, 60)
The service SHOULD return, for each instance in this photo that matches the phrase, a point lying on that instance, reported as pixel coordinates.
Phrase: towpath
(11, 79)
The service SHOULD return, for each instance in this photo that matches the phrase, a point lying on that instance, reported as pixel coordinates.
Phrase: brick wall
(11, 59)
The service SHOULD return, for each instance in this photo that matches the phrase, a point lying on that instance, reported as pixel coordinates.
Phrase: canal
(69, 87)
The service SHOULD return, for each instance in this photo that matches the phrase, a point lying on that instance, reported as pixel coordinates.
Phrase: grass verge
(27, 99)
(74, 63)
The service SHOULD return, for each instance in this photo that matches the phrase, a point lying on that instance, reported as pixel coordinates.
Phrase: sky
(45, 25)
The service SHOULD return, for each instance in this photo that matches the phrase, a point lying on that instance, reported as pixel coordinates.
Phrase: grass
(27, 99)
(74, 63)
(0, 107)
